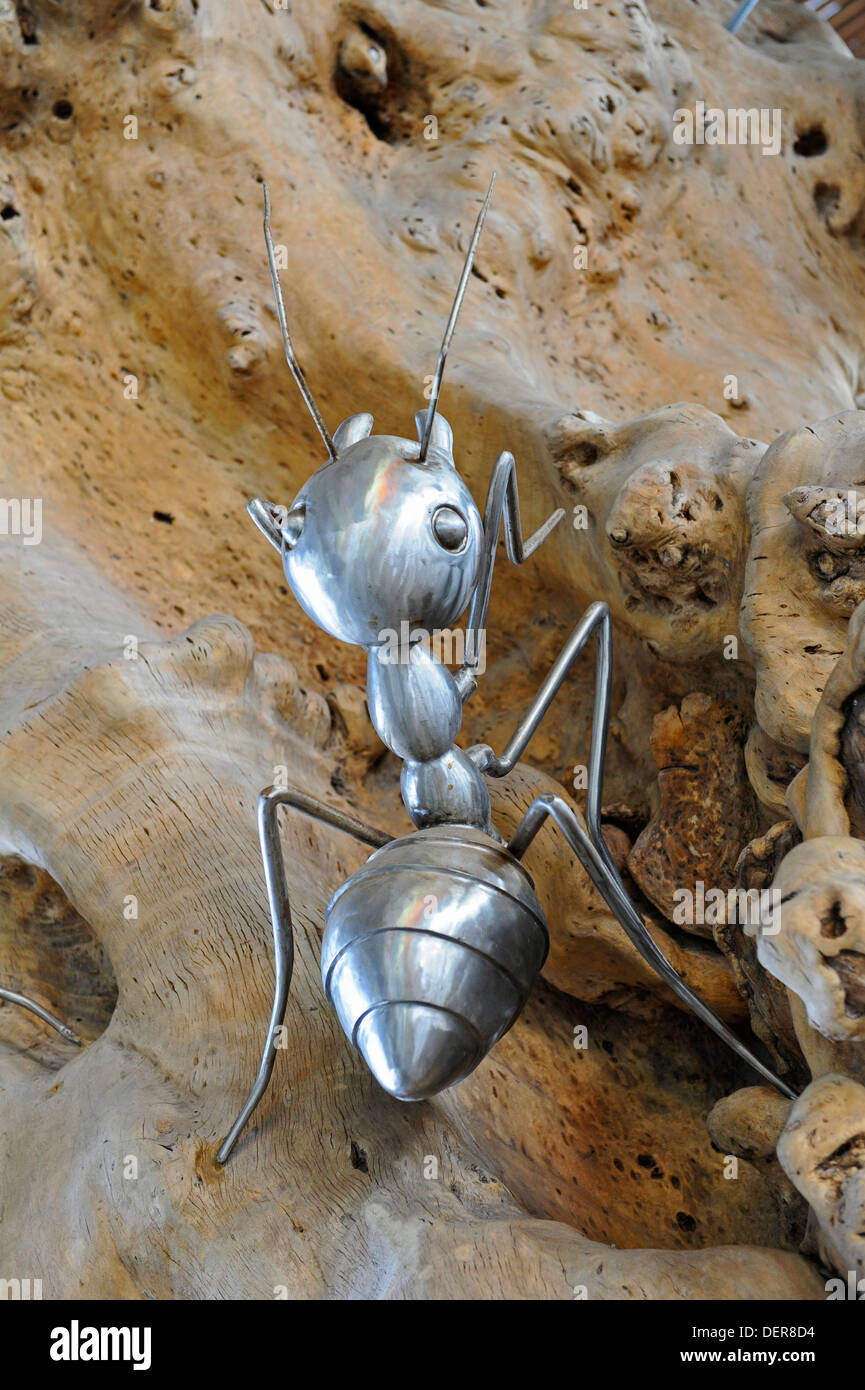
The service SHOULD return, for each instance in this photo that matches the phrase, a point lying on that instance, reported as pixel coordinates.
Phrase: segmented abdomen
(429, 953)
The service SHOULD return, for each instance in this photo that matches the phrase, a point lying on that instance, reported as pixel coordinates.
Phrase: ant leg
(280, 915)
(502, 503)
(12, 998)
(596, 623)
(588, 843)
(596, 859)
(738, 19)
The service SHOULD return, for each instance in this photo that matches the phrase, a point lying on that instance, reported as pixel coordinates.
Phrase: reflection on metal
(431, 948)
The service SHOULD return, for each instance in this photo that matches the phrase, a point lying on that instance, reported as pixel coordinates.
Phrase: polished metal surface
(368, 557)
(595, 622)
(432, 947)
(268, 517)
(351, 430)
(449, 790)
(502, 504)
(413, 701)
(589, 843)
(290, 356)
(429, 953)
(595, 858)
(40, 1011)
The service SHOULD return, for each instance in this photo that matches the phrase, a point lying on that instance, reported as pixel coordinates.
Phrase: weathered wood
(145, 399)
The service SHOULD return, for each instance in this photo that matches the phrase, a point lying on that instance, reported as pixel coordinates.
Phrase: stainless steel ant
(430, 950)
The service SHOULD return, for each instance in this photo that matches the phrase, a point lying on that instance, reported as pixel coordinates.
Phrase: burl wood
(718, 302)
(133, 784)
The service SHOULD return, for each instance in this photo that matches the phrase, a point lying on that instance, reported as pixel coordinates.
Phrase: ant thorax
(415, 706)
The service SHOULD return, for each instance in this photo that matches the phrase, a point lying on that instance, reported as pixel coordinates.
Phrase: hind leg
(595, 858)
(587, 840)
(280, 915)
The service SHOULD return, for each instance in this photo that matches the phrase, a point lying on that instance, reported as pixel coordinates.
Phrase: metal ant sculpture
(430, 950)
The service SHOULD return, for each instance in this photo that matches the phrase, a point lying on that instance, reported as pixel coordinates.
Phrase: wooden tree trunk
(145, 400)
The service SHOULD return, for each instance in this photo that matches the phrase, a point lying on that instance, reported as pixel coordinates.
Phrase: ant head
(376, 537)
(386, 531)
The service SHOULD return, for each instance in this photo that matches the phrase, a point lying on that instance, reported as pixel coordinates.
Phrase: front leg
(596, 623)
(502, 504)
(10, 996)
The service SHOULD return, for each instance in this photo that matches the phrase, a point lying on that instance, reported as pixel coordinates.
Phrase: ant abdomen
(429, 953)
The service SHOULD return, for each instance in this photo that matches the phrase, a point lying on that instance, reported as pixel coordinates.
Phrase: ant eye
(292, 526)
(450, 528)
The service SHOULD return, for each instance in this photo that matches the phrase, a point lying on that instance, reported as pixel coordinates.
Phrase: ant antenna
(293, 364)
(449, 331)
(738, 19)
